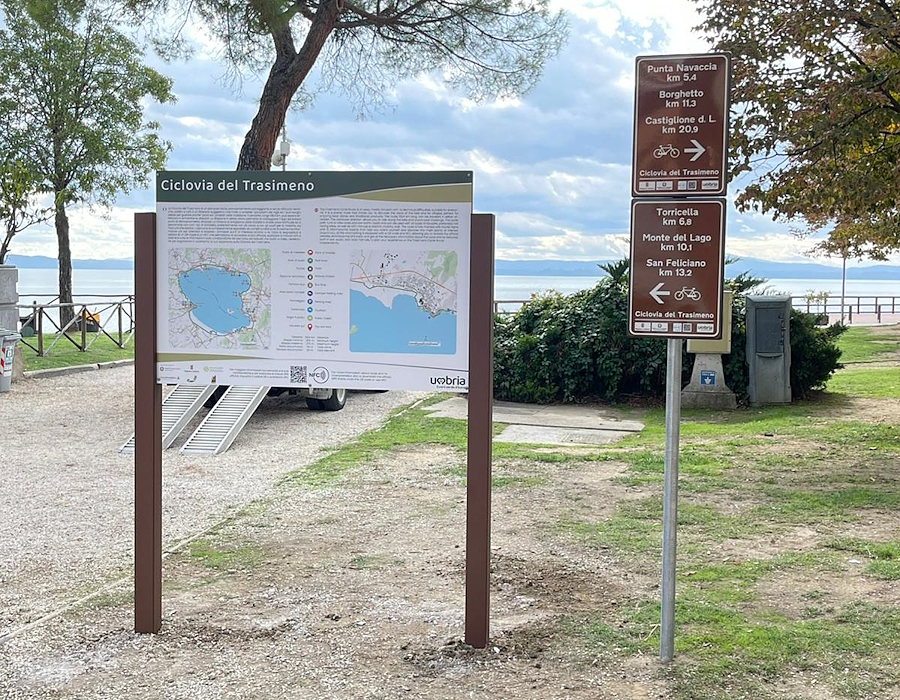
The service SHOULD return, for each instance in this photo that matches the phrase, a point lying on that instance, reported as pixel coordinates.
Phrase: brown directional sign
(677, 268)
(681, 126)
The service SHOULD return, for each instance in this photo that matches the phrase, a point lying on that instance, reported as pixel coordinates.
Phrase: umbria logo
(447, 380)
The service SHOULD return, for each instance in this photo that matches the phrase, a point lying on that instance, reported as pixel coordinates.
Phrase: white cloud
(554, 165)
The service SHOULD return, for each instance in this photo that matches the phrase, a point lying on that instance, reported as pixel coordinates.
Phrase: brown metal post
(83, 328)
(478, 457)
(147, 435)
(40, 328)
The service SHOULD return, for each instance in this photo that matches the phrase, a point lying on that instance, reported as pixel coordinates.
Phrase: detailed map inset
(220, 298)
(403, 301)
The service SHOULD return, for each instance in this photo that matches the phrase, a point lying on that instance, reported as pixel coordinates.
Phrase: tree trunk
(4, 249)
(288, 73)
(259, 143)
(65, 262)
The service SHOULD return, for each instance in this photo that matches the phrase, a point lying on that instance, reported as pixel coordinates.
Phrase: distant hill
(564, 268)
(43, 262)
(774, 270)
(547, 268)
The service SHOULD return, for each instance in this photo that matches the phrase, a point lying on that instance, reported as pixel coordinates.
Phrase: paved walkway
(567, 424)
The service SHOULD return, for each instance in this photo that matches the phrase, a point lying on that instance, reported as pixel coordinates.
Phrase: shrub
(576, 348)
(814, 354)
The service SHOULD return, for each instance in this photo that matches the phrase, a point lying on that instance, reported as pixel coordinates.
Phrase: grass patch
(64, 354)
(855, 435)
(723, 647)
(625, 534)
(864, 344)
(884, 556)
(733, 582)
(538, 453)
(628, 630)
(723, 652)
(636, 527)
(885, 570)
(221, 557)
(875, 382)
(498, 480)
(810, 506)
(409, 426)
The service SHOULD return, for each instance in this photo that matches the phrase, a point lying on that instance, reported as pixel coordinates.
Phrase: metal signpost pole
(670, 499)
(675, 286)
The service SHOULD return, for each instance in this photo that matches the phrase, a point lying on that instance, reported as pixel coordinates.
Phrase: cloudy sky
(553, 166)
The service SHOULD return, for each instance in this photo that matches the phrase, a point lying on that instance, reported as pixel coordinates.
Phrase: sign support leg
(147, 435)
(480, 432)
(670, 500)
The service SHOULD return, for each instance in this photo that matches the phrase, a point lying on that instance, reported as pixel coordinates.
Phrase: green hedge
(575, 347)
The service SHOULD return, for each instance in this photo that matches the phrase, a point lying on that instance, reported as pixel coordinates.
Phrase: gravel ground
(353, 590)
(68, 494)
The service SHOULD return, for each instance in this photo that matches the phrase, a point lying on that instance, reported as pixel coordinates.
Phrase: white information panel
(355, 280)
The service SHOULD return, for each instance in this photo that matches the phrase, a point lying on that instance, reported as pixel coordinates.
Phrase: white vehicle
(316, 399)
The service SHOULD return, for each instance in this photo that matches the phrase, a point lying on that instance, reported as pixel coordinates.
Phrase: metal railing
(864, 308)
(92, 317)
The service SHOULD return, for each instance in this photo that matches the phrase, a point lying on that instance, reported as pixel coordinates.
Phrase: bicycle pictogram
(667, 150)
(687, 293)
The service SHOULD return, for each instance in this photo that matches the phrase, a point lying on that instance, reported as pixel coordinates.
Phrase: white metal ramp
(178, 408)
(226, 419)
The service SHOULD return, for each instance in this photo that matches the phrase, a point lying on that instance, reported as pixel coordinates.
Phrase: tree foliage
(73, 91)
(816, 113)
(576, 347)
(362, 47)
(19, 187)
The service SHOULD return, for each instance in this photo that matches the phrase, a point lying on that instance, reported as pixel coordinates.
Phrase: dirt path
(356, 591)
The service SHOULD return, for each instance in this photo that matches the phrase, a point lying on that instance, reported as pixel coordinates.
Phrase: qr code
(298, 374)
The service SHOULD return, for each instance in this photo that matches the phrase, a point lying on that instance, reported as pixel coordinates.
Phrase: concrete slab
(549, 425)
(546, 435)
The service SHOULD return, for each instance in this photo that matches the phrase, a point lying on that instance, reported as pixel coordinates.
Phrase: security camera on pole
(279, 157)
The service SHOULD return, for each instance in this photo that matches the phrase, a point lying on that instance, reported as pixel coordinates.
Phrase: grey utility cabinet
(769, 349)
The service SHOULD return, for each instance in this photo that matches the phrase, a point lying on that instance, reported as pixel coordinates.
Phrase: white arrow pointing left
(698, 150)
(658, 292)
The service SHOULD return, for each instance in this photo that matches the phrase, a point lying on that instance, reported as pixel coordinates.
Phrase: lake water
(405, 327)
(506, 287)
(84, 282)
(215, 294)
(518, 288)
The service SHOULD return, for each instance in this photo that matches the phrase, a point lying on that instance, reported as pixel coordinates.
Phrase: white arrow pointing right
(657, 292)
(698, 150)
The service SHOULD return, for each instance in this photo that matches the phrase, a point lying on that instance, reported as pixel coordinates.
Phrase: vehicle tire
(336, 401)
(215, 396)
(314, 404)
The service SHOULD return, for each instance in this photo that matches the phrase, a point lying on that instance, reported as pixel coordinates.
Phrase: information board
(677, 268)
(356, 280)
(681, 125)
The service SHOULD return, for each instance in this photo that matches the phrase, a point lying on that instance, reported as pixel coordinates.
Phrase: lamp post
(843, 282)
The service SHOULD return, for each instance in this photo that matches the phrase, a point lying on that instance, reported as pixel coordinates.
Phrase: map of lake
(215, 293)
(403, 328)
